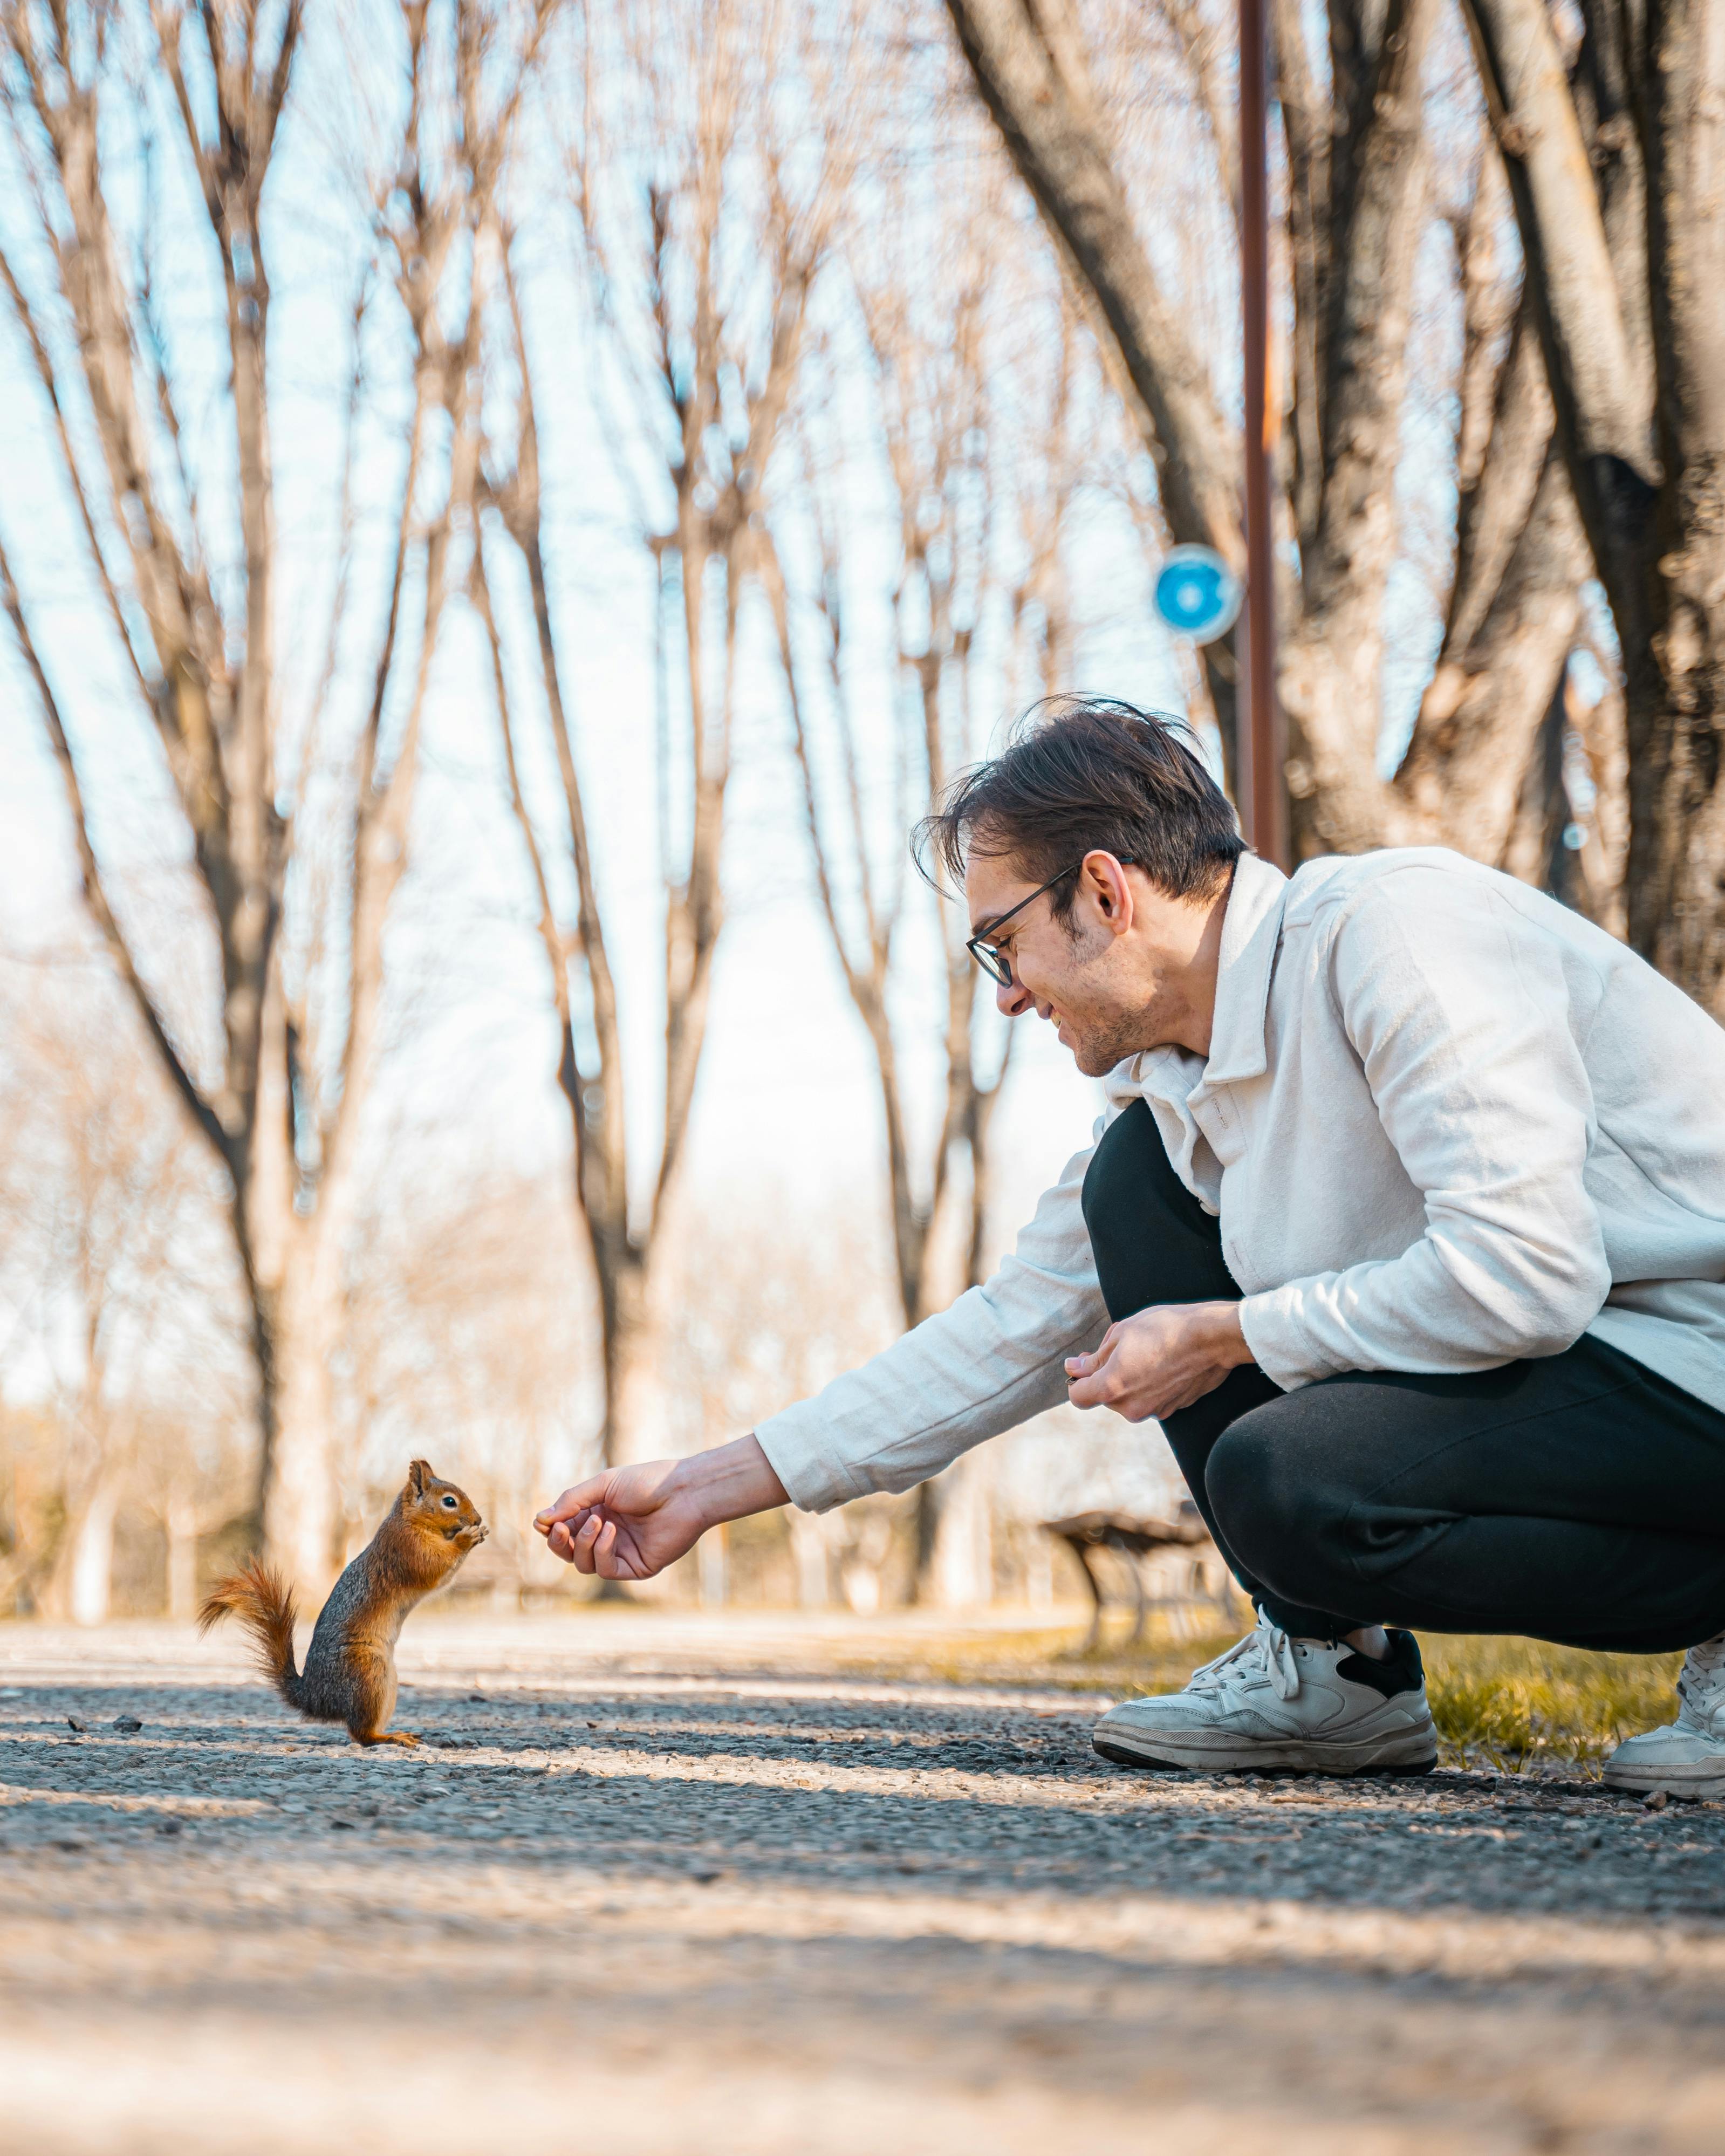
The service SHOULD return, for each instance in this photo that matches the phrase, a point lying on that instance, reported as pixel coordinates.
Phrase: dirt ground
(677, 1885)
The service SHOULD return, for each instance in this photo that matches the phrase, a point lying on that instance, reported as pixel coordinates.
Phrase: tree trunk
(1332, 657)
(180, 1522)
(1616, 297)
(92, 1571)
(713, 1568)
(79, 1587)
(1676, 869)
(301, 1516)
(961, 1571)
(1533, 847)
(1598, 892)
(811, 1559)
(626, 1319)
(1462, 776)
(292, 1271)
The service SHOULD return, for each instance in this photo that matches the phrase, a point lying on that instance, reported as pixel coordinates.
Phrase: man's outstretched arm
(630, 1523)
(993, 1360)
(996, 1357)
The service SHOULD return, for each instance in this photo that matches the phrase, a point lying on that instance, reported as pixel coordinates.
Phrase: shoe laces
(1700, 1687)
(1266, 1645)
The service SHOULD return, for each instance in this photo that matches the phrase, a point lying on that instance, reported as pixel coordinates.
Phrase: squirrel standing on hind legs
(350, 1666)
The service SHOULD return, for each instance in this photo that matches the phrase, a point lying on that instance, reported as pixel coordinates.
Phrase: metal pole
(1261, 755)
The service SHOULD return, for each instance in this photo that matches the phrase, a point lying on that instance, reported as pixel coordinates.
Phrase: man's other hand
(1160, 1360)
(630, 1523)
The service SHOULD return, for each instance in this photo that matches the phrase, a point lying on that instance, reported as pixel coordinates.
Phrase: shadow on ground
(775, 1907)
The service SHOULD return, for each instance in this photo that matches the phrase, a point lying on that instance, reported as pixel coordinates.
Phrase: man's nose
(1012, 999)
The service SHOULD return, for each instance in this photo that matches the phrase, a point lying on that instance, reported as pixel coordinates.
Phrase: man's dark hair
(1081, 773)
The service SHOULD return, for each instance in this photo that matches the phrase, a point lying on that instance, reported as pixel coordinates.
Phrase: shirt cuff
(813, 1481)
(1281, 1345)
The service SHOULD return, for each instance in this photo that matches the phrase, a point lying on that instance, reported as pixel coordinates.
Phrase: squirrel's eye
(449, 1504)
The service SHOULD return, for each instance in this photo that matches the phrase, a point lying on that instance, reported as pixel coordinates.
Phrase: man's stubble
(1103, 1034)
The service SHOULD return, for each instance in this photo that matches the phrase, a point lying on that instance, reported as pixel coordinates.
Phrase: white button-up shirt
(1446, 1123)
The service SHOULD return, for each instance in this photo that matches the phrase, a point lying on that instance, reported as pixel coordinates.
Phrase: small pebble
(129, 1723)
(1656, 1800)
(73, 1723)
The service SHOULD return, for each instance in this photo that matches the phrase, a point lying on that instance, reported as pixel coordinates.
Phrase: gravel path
(680, 1885)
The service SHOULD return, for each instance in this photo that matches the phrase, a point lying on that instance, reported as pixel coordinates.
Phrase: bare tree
(277, 1087)
(122, 1326)
(716, 217)
(978, 450)
(1613, 172)
(1360, 197)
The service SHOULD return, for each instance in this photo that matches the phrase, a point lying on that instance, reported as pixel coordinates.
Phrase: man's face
(1112, 976)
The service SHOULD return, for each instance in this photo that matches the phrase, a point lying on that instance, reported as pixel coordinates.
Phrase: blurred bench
(1135, 1540)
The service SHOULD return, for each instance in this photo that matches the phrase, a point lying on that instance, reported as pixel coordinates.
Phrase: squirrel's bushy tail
(263, 1603)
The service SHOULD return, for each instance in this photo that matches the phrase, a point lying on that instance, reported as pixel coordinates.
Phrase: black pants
(1578, 1497)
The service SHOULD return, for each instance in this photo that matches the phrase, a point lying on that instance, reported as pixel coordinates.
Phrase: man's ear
(1112, 893)
(418, 1475)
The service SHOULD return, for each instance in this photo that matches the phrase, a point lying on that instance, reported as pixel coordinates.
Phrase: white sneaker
(1687, 1756)
(1277, 1705)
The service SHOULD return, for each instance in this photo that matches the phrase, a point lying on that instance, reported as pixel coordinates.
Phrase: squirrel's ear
(418, 1475)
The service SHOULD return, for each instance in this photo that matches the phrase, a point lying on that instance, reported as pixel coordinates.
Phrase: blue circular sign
(1197, 594)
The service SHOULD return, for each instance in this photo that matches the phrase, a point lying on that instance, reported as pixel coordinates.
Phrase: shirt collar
(1251, 929)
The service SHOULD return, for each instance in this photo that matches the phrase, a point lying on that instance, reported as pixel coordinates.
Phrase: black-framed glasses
(981, 947)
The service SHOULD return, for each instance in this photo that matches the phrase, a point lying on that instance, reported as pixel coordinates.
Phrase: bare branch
(1306, 126)
(75, 476)
(1201, 44)
(1030, 66)
(1597, 386)
(95, 893)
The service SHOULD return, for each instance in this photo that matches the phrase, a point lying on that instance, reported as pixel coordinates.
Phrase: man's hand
(630, 1523)
(1160, 1360)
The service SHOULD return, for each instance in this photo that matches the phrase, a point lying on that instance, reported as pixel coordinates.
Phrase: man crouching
(1406, 1217)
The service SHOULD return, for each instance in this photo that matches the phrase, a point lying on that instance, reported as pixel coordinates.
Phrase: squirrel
(350, 1666)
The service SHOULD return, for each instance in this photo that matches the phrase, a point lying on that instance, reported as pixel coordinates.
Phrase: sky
(787, 1092)
(788, 1114)
(787, 1107)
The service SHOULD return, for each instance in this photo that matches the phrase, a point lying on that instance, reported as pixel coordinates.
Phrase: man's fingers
(580, 1499)
(572, 1539)
(1093, 1392)
(1086, 1366)
(604, 1549)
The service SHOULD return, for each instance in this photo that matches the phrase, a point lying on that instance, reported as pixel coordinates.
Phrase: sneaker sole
(1390, 1757)
(1694, 1783)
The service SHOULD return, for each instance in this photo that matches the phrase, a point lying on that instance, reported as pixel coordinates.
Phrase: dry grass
(1510, 1705)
